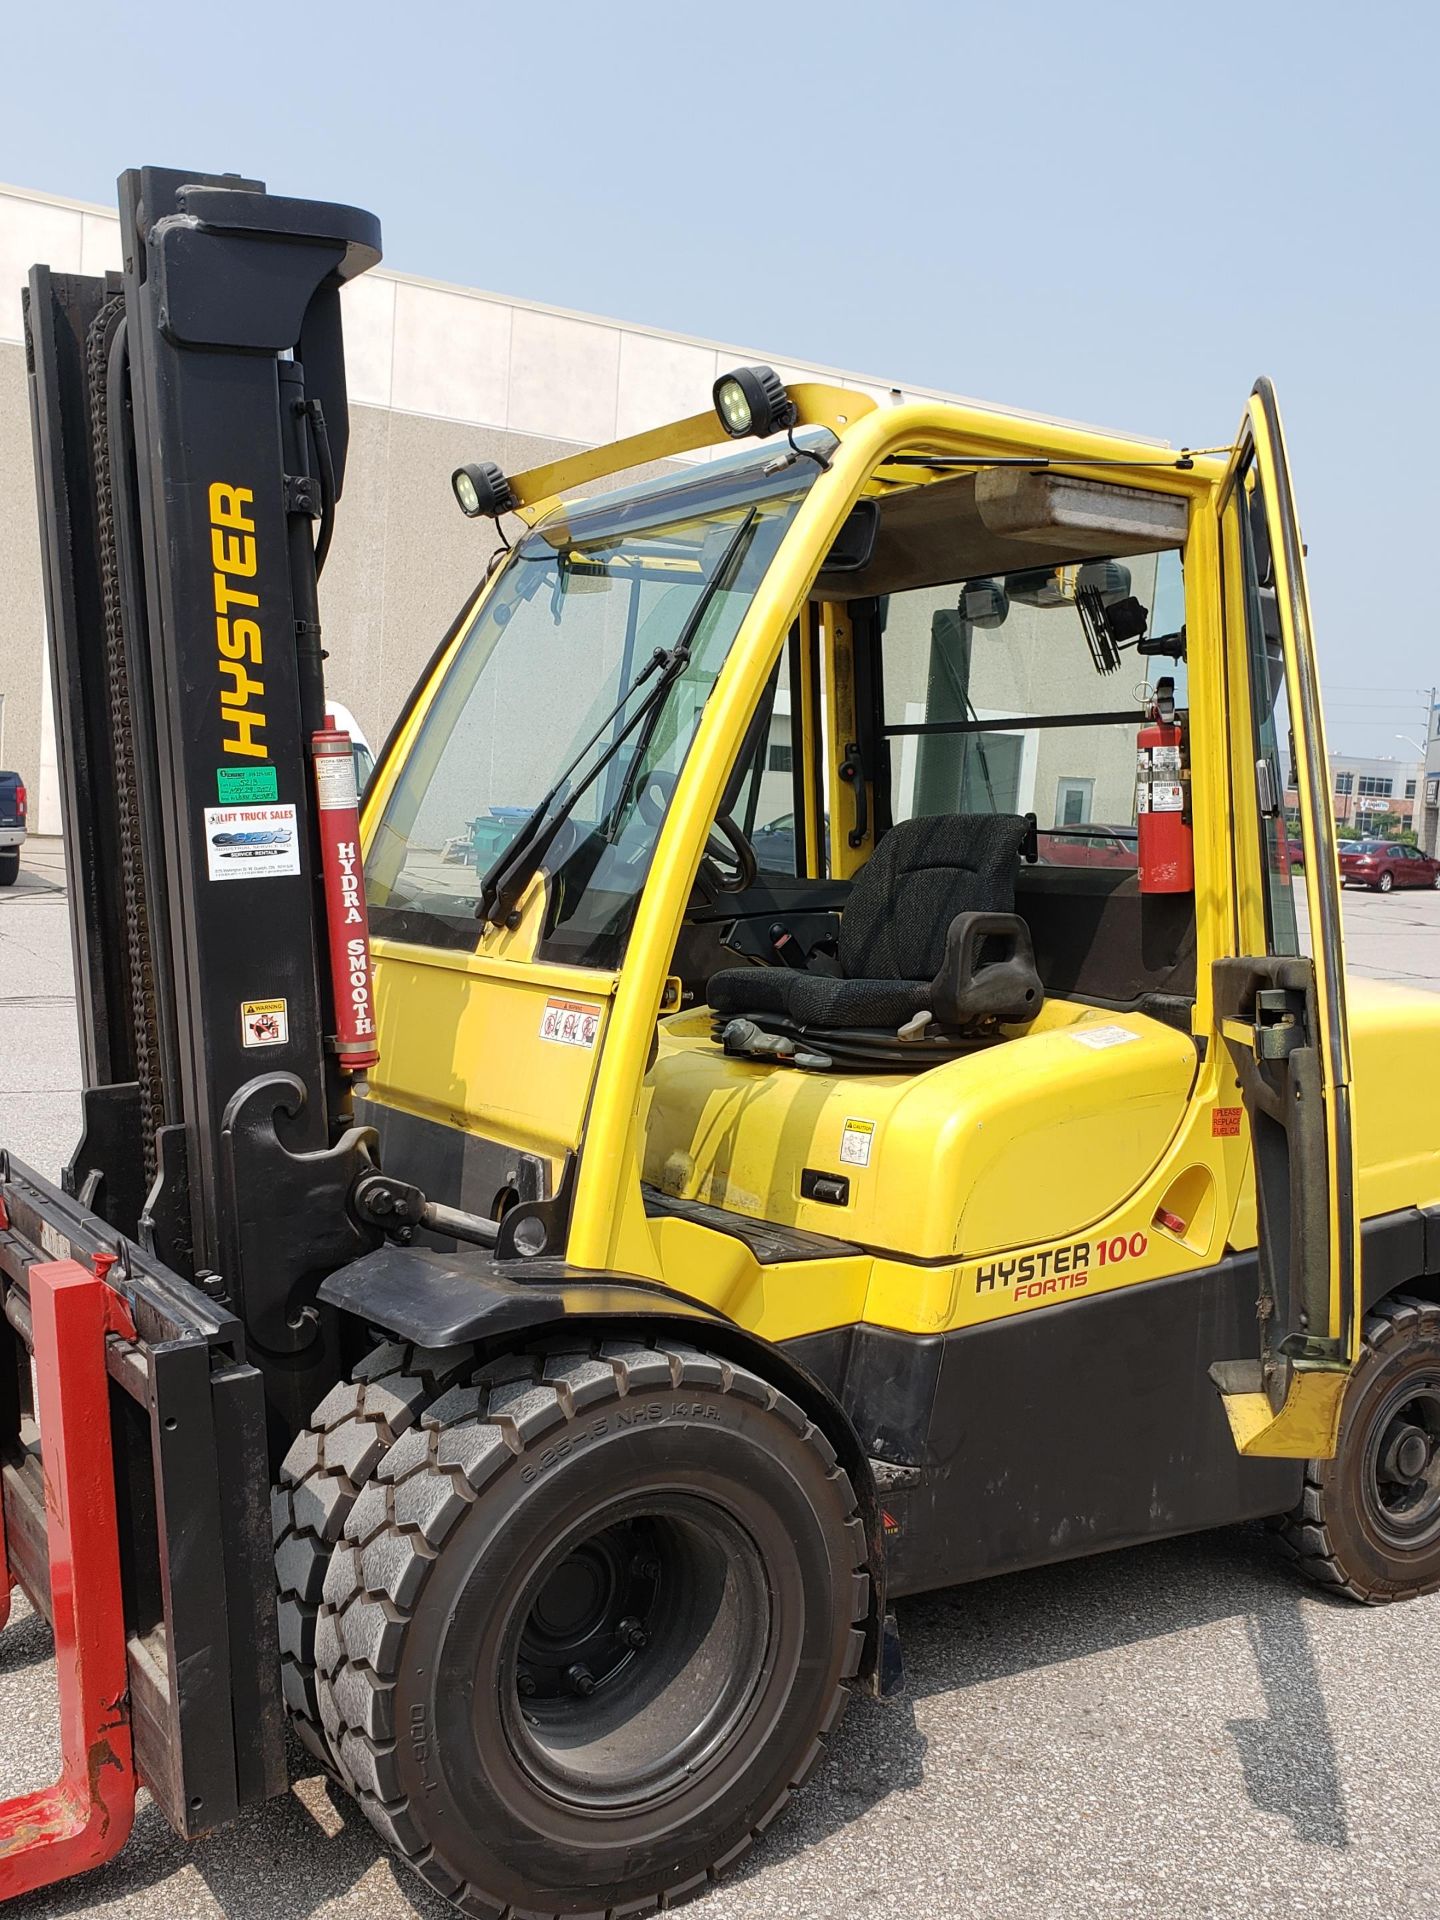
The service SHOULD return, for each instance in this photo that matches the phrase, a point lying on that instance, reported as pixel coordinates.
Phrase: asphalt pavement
(1179, 1730)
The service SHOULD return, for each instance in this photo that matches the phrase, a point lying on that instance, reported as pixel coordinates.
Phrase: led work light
(482, 490)
(753, 400)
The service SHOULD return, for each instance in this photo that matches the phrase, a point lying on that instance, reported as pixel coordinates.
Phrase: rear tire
(1385, 883)
(320, 1481)
(591, 1624)
(1368, 1523)
(10, 866)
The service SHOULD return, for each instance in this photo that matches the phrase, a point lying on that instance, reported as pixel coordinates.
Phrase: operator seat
(932, 957)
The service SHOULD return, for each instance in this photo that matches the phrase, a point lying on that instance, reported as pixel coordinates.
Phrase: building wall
(1354, 808)
(437, 375)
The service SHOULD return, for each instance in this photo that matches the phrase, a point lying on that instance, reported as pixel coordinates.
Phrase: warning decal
(251, 843)
(1224, 1123)
(264, 1023)
(570, 1023)
(856, 1141)
(1098, 1037)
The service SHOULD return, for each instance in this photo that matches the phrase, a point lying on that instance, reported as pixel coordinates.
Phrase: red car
(1088, 846)
(1383, 864)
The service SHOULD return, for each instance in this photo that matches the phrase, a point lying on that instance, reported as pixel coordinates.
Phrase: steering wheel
(728, 864)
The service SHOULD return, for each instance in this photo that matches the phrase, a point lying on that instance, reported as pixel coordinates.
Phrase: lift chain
(140, 973)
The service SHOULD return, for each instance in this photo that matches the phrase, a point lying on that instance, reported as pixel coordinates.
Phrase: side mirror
(853, 547)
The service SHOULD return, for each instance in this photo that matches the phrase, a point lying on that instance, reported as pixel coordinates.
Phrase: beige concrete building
(438, 375)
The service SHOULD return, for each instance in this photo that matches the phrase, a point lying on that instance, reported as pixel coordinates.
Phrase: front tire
(1368, 1523)
(320, 1481)
(590, 1626)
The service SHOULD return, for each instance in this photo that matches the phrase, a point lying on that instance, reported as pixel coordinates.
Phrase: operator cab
(939, 792)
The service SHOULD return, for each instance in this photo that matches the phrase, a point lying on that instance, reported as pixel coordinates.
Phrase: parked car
(774, 843)
(12, 826)
(1088, 846)
(1383, 864)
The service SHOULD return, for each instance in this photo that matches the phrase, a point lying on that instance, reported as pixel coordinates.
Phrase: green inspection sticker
(235, 785)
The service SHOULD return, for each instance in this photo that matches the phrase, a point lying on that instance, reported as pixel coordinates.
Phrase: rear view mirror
(854, 545)
(1110, 579)
(983, 603)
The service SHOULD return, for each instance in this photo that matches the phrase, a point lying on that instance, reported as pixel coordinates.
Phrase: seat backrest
(920, 876)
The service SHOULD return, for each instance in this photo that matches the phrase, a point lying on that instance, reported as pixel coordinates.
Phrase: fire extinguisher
(1162, 799)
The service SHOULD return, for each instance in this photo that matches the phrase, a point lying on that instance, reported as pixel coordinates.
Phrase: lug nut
(581, 1680)
(525, 1685)
(633, 1634)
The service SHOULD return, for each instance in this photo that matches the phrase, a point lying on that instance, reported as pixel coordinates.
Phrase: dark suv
(12, 826)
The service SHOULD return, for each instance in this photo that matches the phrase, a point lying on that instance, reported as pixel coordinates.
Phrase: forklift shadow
(985, 1633)
(979, 1635)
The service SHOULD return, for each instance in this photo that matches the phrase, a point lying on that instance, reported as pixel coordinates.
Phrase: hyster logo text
(1029, 1276)
(237, 630)
(1055, 1270)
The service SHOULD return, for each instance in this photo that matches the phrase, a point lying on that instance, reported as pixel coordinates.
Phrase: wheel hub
(639, 1651)
(1402, 1479)
(590, 1615)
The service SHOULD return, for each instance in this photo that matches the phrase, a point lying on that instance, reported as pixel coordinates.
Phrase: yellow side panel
(1395, 1053)
(778, 1302)
(461, 1043)
(1029, 1140)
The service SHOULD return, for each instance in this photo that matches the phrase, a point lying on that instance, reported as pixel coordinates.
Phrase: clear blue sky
(1121, 211)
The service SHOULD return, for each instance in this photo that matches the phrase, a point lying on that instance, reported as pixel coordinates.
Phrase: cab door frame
(1281, 1014)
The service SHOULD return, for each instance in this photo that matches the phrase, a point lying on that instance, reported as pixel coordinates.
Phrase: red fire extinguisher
(1162, 799)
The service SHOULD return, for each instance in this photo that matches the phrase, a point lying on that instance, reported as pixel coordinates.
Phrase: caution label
(570, 1023)
(335, 790)
(1224, 1123)
(264, 1023)
(855, 1142)
(1101, 1037)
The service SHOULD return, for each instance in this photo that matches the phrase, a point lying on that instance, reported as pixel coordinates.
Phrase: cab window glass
(762, 794)
(1273, 750)
(1022, 693)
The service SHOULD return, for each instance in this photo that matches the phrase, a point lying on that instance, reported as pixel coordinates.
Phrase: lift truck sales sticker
(570, 1023)
(251, 843)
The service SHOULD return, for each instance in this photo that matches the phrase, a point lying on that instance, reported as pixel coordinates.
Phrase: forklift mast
(191, 432)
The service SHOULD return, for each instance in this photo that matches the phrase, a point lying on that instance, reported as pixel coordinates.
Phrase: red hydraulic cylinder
(338, 811)
(85, 1818)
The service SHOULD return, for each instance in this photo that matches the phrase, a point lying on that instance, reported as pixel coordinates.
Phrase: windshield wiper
(522, 859)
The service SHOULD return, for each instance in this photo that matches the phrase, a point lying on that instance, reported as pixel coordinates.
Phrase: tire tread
(322, 1477)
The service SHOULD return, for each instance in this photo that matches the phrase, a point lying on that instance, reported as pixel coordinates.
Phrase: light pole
(1419, 799)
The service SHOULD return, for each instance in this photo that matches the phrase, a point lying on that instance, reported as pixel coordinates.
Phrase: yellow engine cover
(1031, 1139)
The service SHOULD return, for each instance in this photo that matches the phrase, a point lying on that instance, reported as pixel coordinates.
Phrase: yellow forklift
(846, 1094)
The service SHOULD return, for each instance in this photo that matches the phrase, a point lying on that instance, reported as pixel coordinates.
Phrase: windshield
(581, 609)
